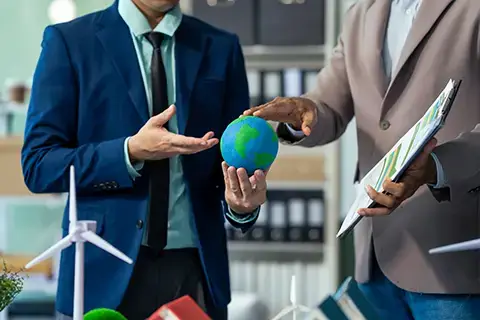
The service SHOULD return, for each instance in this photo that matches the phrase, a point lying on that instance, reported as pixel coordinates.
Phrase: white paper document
(402, 154)
(461, 246)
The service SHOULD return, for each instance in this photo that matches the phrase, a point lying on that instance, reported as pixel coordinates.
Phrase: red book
(183, 308)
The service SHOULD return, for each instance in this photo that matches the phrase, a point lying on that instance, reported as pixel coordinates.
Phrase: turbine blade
(461, 246)
(72, 204)
(293, 290)
(57, 247)
(104, 245)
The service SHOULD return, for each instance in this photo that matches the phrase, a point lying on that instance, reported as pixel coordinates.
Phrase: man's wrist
(133, 150)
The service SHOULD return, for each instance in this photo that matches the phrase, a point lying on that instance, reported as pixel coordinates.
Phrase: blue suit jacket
(87, 97)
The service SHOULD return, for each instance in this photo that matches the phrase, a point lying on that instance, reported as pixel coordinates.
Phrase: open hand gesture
(155, 142)
(243, 194)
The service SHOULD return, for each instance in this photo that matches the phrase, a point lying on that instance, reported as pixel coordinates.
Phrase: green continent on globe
(104, 314)
(263, 159)
(244, 135)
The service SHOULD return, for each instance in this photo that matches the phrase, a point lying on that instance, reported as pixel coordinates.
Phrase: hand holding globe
(249, 146)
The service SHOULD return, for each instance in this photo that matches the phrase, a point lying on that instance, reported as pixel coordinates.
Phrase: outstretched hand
(243, 194)
(154, 142)
(422, 171)
(300, 113)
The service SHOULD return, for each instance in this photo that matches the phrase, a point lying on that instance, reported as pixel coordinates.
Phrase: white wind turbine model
(294, 308)
(79, 232)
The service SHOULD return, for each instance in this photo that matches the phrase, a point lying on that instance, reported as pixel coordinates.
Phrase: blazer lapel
(376, 20)
(189, 51)
(427, 16)
(116, 39)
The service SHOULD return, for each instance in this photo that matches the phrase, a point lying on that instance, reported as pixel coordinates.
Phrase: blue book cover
(348, 303)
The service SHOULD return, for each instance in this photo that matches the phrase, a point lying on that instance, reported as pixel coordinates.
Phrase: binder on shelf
(308, 80)
(255, 88)
(297, 220)
(277, 221)
(259, 229)
(292, 85)
(238, 17)
(315, 220)
(306, 22)
(272, 85)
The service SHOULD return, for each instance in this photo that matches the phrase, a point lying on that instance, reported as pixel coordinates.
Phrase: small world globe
(103, 314)
(250, 143)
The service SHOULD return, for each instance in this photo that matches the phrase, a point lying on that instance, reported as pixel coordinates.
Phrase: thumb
(162, 118)
(427, 150)
(430, 145)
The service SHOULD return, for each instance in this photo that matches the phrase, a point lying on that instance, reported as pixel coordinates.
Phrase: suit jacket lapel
(376, 20)
(427, 16)
(116, 39)
(189, 51)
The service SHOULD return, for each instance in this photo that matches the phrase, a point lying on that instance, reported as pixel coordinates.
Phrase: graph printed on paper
(402, 154)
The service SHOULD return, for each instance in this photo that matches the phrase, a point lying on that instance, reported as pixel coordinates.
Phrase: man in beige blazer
(392, 60)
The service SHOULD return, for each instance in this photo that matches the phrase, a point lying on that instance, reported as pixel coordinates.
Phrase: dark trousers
(160, 278)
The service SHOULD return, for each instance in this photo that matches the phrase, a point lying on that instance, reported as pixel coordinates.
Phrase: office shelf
(282, 57)
(276, 251)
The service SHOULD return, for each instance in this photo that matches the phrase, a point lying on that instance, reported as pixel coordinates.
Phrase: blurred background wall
(315, 182)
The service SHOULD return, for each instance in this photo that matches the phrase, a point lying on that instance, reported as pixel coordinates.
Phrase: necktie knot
(155, 38)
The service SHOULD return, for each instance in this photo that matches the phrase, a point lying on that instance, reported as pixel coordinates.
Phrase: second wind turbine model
(79, 233)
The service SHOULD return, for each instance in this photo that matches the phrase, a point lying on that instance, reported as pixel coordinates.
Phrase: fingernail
(259, 174)
(361, 212)
(204, 143)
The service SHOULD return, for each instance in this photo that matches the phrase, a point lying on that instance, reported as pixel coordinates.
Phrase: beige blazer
(444, 43)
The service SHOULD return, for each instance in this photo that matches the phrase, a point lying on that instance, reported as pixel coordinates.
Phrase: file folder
(272, 85)
(259, 232)
(297, 222)
(315, 220)
(292, 82)
(254, 86)
(308, 80)
(277, 221)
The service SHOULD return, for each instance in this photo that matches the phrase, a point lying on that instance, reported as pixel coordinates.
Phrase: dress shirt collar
(139, 25)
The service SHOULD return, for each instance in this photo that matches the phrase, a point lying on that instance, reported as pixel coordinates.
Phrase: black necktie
(157, 223)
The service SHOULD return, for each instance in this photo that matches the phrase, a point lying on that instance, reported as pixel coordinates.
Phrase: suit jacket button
(384, 125)
(139, 224)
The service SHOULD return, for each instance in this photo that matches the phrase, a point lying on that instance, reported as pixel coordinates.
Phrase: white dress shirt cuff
(441, 179)
(295, 133)
(132, 169)
(244, 218)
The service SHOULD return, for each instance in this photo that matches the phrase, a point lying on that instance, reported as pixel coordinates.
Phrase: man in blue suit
(150, 175)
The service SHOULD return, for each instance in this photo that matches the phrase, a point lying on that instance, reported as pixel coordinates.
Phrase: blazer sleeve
(237, 100)
(50, 141)
(333, 98)
(460, 160)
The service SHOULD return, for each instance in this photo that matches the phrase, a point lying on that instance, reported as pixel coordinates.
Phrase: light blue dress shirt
(181, 226)
(402, 14)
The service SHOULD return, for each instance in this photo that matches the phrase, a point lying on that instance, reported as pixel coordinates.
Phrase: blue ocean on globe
(249, 142)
